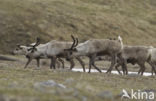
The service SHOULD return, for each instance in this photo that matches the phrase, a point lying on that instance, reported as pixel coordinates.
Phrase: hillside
(21, 21)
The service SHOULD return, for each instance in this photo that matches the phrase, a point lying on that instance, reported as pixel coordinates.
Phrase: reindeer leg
(153, 67)
(61, 62)
(116, 67)
(82, 63)
(57, 63)
(124, 67)
(93, 63)
(72, 64)
(113, 62)
(123, 63)
(142, 69)
(38, 63)
(152, 71)
(51, 64)
(54, 62)
(29, 60)
(90, 65)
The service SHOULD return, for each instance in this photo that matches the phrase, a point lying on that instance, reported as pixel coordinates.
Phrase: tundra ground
(18, 84)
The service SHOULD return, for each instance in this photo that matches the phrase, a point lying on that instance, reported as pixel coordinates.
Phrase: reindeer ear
(29, 49)
(18, 45)
(75, 50)
(37, 41)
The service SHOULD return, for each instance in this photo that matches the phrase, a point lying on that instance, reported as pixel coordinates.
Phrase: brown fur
(97, 47)
(135, 55)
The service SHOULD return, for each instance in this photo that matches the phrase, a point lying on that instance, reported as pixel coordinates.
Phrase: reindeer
(153, 58)
(136, 55)
(96, 47)
(24, 50)
(53, 50)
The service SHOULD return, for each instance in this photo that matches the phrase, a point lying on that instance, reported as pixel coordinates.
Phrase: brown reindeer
(135, 55)
(96, 47)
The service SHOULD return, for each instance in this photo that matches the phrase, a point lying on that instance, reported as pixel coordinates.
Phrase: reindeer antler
(18, 45)
(77, 41)
(34, 46)
(37, 42)
(73, 42)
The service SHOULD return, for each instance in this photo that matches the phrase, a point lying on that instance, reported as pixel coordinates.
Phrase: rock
(84, 98)
(2, 98)
(107, 95)
(69, 80)
(13, 85)
(6, 58)
(47, 86)
(51, 83)
(61, 86)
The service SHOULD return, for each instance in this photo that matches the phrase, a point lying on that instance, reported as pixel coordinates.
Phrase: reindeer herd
(111, 50)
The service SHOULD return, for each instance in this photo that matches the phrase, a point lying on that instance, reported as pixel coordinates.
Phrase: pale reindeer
(24, 50)
(96, 47)
(53, 50)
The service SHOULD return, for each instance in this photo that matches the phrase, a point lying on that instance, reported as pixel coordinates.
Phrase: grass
(23, 21)
(18, 83)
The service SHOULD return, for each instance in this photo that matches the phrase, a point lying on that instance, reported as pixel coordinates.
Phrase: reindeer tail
(120, 40)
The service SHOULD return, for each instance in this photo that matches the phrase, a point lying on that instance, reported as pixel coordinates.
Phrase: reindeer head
(69, 52)
(20, 50)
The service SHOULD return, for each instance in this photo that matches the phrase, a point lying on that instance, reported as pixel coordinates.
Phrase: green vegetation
(23, 20)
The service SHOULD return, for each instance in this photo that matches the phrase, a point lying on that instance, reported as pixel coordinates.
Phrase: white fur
(83, 48)
(120, 39)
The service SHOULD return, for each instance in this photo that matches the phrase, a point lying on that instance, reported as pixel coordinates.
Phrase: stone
(107, 95)
(47, 86)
